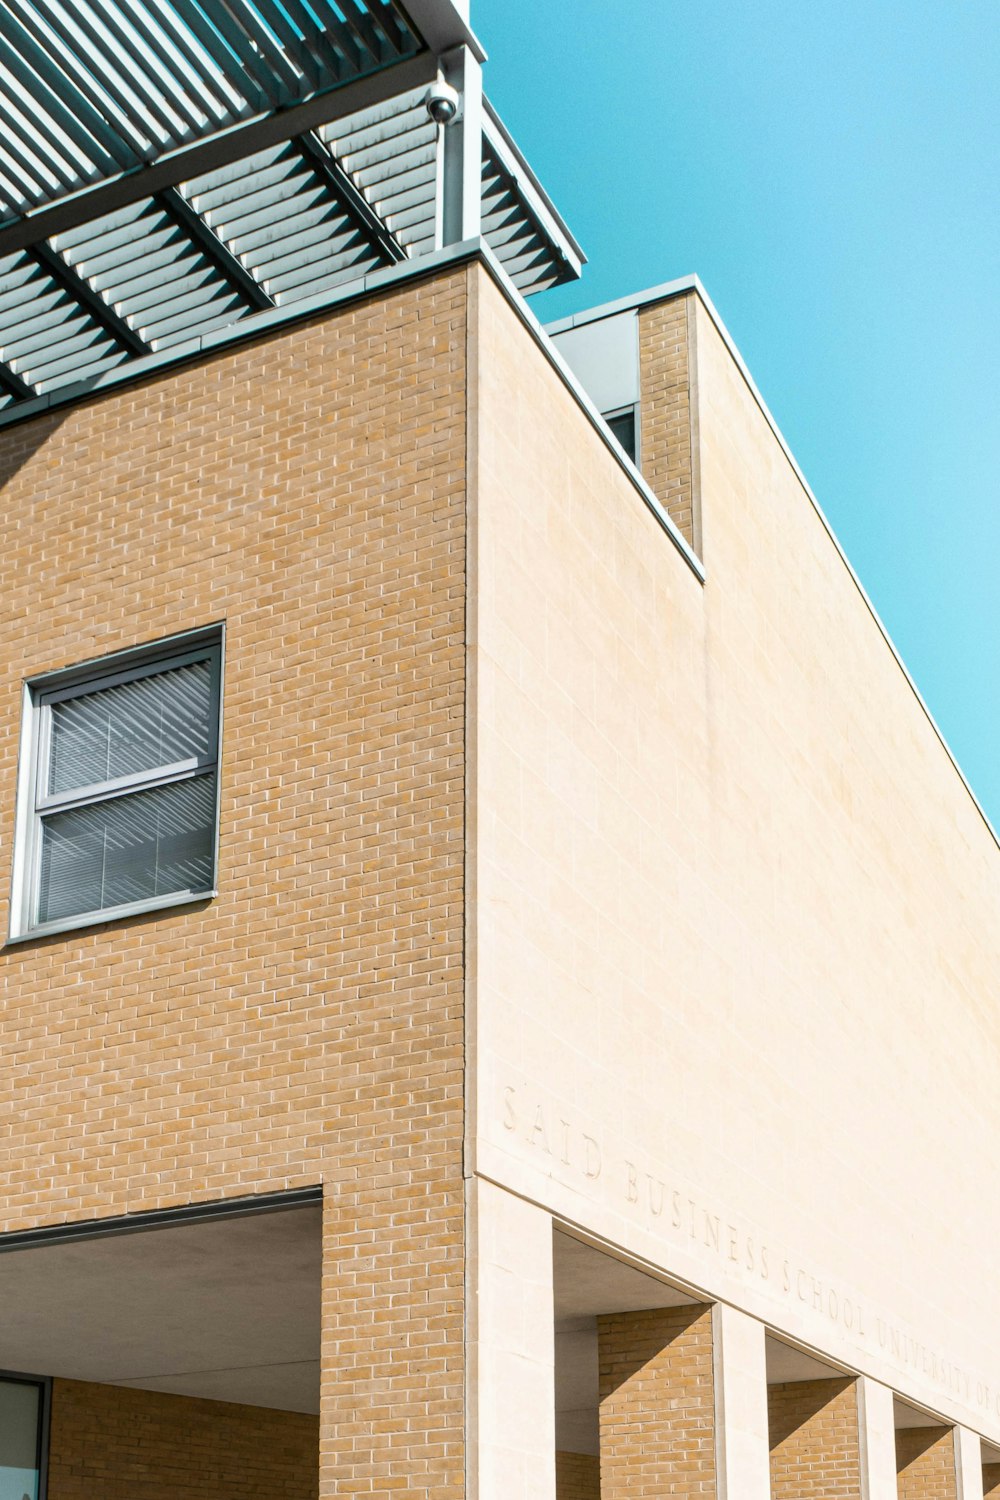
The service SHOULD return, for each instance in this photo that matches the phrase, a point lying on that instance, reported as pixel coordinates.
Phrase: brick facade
(814, 1440)
(668, 442)
(925, 1463)
(578, 1476)
(114, 1443)
(656, 1372)
(991, 1481)
(307, 1025)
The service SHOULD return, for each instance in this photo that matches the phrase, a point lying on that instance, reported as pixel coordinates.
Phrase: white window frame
(34, 804)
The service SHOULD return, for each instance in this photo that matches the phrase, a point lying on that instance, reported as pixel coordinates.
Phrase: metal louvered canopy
(95, 89)
(174, 171)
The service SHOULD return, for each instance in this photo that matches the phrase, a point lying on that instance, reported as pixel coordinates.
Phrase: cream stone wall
(737, 920)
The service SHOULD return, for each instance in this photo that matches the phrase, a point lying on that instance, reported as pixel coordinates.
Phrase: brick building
(497, 990)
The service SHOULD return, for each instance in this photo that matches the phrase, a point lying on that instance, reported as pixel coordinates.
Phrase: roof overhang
(176, 166)
(94, 91)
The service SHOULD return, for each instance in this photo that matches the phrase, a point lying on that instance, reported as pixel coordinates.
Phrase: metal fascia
(159, 1218)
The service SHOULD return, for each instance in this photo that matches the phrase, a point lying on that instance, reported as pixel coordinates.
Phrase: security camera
(441, 102)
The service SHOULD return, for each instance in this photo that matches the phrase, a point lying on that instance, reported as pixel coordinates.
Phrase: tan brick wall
(657, 1403)
(308, 1024)
(991, 1480)
(112, 1443)
(814, 1440)
(668, 443)
(578, 1476)
(925, 1464)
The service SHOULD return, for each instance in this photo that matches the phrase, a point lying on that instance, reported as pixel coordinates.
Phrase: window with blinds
(123, 765)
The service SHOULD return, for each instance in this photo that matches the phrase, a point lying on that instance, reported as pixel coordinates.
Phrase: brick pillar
(657, 1404)
(815, 1440)
(578, 1477)
(925, 1463)
(668, 410)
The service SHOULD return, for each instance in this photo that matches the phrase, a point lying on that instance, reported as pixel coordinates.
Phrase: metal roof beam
(227, 146)
(328, 168)
(214, 249)
(82, 292)
(12, 383)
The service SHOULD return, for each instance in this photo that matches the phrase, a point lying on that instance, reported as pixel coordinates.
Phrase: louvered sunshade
(126, 236)
(94, 89)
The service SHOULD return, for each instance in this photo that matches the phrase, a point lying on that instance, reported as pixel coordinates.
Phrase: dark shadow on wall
(20, 441)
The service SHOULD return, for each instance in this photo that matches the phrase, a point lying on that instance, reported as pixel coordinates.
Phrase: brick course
(925, 1463)
(668, 445)
(578, 1476)
(114, 1443)
(814, 1440)
(307, 1025)
(657, 1403)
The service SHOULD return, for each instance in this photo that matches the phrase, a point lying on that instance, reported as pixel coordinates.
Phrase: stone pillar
(925, 1463)
(815, 1439)
(657, 1417)
(511, 1357)
(969, 1461)
(878, 1440)
(741, 1445)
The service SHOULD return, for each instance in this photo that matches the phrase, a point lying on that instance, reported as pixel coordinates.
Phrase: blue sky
(832, 173)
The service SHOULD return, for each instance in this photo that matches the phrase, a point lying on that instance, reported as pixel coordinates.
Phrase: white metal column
(461, 150)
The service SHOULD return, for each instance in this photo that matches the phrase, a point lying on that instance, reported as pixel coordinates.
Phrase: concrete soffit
(217, 1300)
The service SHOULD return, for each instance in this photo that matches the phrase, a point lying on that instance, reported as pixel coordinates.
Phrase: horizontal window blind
(131, 848)
(133, 727)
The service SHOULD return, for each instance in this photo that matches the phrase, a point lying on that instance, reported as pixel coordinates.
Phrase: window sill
(112, 914)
